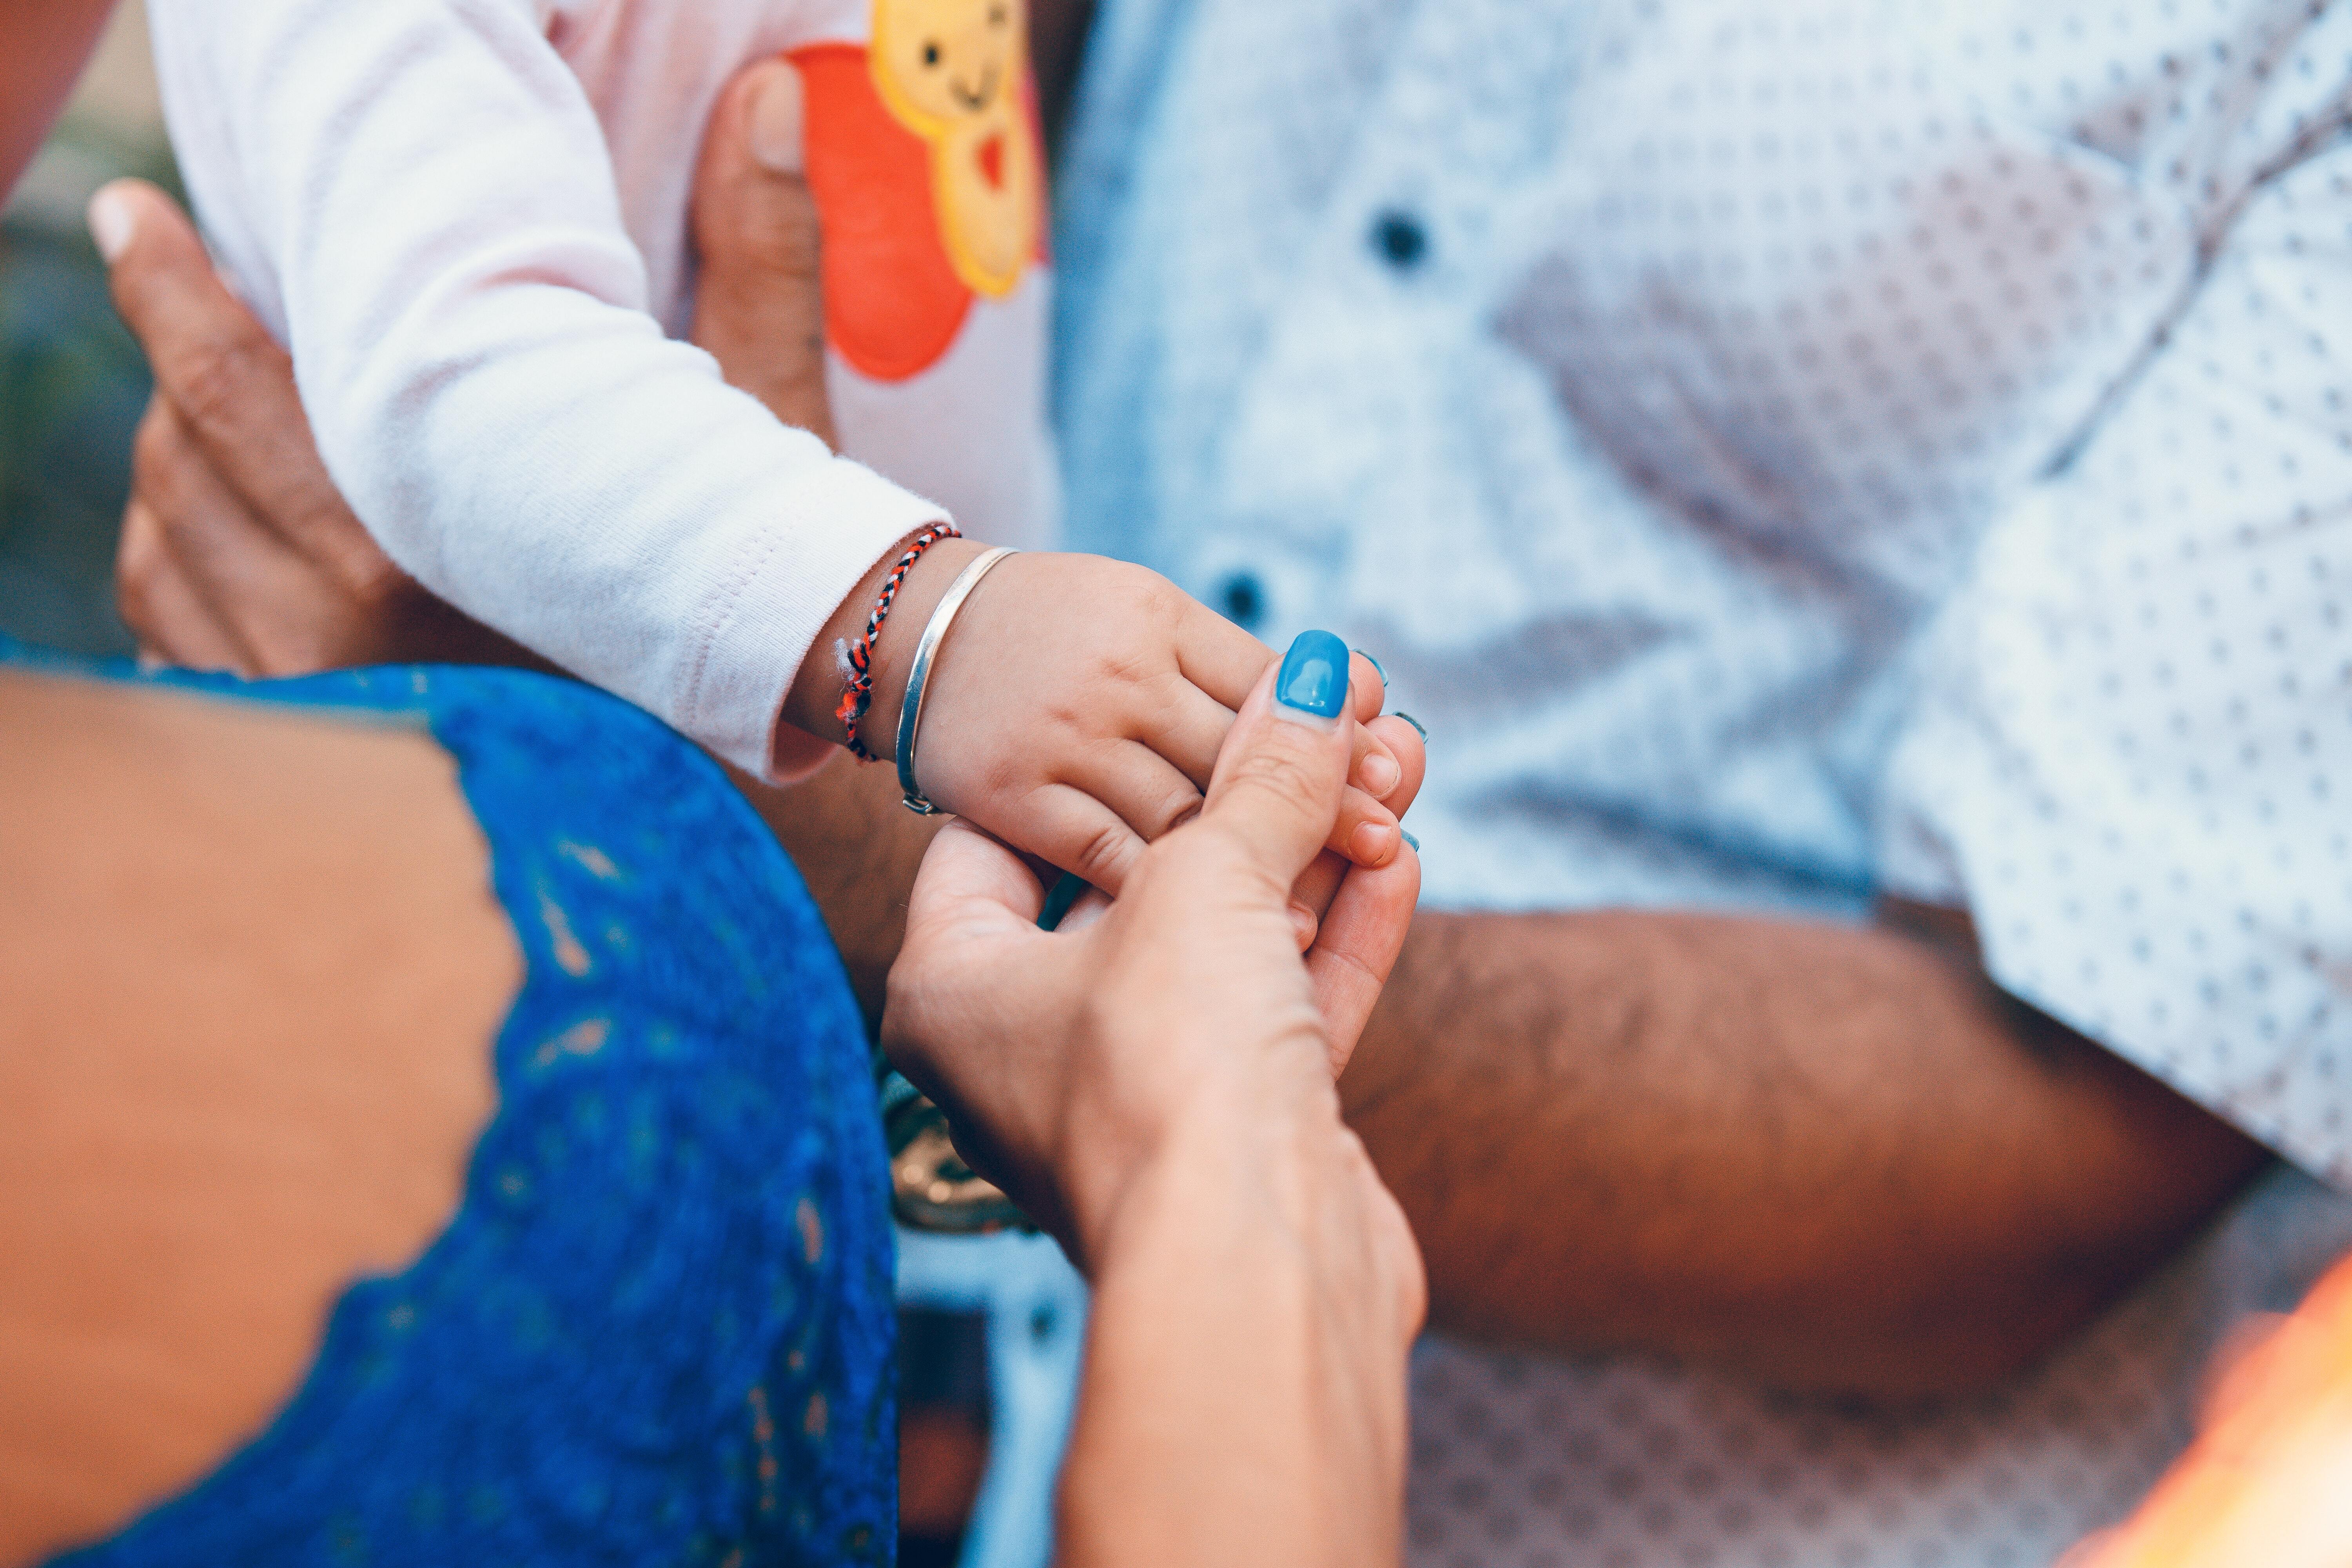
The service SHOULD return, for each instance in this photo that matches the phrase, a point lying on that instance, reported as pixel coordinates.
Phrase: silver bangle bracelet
(935, 632)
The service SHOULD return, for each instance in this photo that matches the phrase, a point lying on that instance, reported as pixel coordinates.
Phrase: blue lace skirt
(659, 1329)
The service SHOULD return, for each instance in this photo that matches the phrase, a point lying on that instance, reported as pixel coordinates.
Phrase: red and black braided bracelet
(859, 696)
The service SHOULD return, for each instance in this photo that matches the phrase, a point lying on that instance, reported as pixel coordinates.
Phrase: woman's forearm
(1245, 1390)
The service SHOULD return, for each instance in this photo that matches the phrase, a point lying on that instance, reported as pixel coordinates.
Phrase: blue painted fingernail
(1419, 727)
(1314, 677)
(1378, 668)
(1409, 838)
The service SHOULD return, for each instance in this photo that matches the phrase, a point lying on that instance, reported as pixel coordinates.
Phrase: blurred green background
(72, 383)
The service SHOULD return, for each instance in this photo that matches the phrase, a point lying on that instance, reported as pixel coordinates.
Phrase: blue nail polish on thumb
(1314, 677)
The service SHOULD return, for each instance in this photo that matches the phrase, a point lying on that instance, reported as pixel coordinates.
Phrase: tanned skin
(251, 970)
(1828, 1157)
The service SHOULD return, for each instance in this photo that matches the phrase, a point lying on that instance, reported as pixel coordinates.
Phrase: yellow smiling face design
(952, 71)
(940, 61)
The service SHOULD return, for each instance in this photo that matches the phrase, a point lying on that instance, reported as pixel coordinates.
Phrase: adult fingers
(222, 556)
(174, 626)
(1096, 904)
(1280, 780)
(977, 991)
(1365, 913)
(257, 533)
(973, 884)
(1091, 907)
(1321, 881)
(760, 305)
(1357, 946)
(1225, 662)
(227, 378)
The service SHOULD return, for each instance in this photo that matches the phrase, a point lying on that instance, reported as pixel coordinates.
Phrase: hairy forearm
(1243, 1398)
(1831, 1157)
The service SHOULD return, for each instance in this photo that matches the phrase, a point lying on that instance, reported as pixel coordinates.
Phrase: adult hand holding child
(1157, 1086)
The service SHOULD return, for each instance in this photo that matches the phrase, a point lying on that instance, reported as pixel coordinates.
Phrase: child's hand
(1077, 704)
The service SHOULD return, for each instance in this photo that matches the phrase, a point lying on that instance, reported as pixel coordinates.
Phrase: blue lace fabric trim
(659, 1329)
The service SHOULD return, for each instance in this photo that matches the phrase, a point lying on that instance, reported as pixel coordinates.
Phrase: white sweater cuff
(756, 630)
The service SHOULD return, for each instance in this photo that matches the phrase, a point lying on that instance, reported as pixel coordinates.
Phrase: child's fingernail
(775, 129)
(110, 222)
(1304, 926)
(1381, 774)
(1378, 668)
(1314, 677)
(1418, 727)
(1373, 843)
(1409, 838)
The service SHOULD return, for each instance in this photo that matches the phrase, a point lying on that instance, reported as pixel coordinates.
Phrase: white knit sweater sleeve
(418, 192)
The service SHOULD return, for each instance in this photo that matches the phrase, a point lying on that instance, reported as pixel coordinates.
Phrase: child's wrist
(894, 651)
(816, 696)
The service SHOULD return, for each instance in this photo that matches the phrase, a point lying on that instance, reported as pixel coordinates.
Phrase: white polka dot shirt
(1788, 451)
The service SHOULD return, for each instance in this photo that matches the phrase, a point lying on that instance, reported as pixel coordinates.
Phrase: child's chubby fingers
(1367, 685)
(1316, 888)
(1188, 731)
(1376, 767)
(1367, 832)
(1401, 739)
(1217, 656)
(1063, 824)
(1191, 731)
(1138, 784)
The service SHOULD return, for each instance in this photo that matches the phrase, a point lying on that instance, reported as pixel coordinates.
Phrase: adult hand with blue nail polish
(1003, 1023)
(1156, 1086)
(1341, 988)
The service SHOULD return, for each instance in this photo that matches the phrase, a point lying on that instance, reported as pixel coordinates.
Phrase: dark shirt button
(1244, 600)
(1401, 239)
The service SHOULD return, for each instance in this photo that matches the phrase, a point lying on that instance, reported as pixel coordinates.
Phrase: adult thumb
(1284, 767)
(760, 305)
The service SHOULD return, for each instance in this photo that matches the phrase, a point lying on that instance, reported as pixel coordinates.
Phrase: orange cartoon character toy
(923, 155)
(953, 72)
